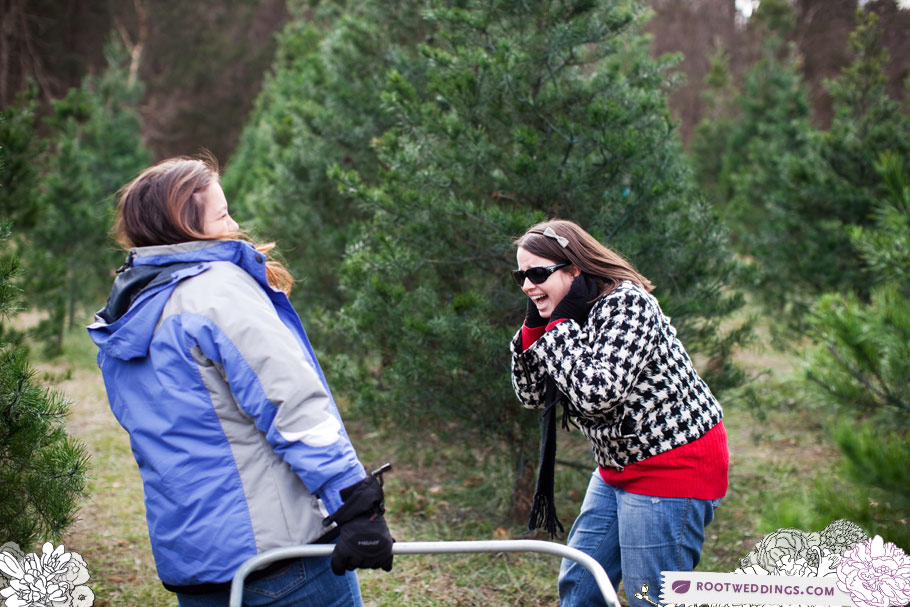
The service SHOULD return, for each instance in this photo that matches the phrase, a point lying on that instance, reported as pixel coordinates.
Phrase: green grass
(436, 491)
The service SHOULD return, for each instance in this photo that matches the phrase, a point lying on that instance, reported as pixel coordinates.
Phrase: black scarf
(543, 508)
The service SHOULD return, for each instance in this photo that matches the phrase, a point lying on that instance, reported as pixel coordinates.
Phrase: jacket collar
(124, 327)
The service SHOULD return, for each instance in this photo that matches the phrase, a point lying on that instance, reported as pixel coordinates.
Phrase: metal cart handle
(460, 547)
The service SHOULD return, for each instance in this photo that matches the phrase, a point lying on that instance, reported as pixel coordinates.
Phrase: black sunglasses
(536, 275)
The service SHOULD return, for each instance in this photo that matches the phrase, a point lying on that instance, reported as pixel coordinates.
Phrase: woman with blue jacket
(237, 438)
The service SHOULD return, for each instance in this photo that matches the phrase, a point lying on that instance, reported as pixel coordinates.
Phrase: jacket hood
(125, 326)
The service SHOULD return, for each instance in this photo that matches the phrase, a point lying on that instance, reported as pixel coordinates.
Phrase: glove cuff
(363, 497)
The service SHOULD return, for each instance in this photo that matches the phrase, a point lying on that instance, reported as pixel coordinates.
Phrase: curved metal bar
(458, 547)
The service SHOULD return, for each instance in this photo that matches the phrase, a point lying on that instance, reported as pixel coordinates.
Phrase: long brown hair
(163, 206)
(583, 251)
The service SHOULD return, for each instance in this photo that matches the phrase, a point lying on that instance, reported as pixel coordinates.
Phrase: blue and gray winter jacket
(238, 441)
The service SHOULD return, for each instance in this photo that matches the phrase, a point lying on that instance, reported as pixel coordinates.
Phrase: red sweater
(697, 469)
(694, 470)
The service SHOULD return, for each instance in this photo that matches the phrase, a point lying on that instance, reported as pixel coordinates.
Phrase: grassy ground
(437, 493)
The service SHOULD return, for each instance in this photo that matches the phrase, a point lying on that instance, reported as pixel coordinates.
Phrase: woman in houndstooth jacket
(596, 340)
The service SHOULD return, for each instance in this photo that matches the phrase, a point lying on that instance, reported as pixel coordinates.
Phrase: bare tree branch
(134, 48)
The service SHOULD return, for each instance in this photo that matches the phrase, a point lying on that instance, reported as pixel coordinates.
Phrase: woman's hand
(364, 540)
(578, 301)
(532, 316)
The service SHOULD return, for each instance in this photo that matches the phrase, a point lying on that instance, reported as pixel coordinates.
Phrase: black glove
(578, 301)
(532, 316)
(364, 540)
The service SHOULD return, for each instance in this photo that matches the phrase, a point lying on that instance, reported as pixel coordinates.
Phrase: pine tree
(786, 187)
(773, 135)
(21, 148)
(866, 362)
(510, 113)
(861, 369)
(866, 124)
(745, 156)
(42, 470)
(836, 184)
(94, 148)
(709, 144)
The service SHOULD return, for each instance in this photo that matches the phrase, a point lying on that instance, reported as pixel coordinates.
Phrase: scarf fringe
(543, 516)
(567, 422)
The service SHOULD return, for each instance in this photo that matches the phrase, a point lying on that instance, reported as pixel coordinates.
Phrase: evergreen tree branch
(858, 376)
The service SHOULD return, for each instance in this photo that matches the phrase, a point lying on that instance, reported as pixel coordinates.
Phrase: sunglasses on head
(536, 275)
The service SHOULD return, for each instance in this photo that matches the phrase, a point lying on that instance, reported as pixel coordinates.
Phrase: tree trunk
(524, 481)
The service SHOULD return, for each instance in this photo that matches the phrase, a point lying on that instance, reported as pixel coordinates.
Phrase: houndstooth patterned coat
(629, 383)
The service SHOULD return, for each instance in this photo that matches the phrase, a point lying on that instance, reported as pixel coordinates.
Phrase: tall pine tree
(859, 371)
(21, 148)
(42, 469)
(786, 187)
(745, 156)
(94, 148)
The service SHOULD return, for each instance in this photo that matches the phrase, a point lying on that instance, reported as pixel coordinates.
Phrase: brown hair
(583, 251)
(162, 206)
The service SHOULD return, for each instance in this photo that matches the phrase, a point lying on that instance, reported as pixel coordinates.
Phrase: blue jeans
(305, 582)
(634, 537)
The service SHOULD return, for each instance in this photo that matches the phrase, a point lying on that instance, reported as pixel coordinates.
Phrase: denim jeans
(305, 582)
(634, 537)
